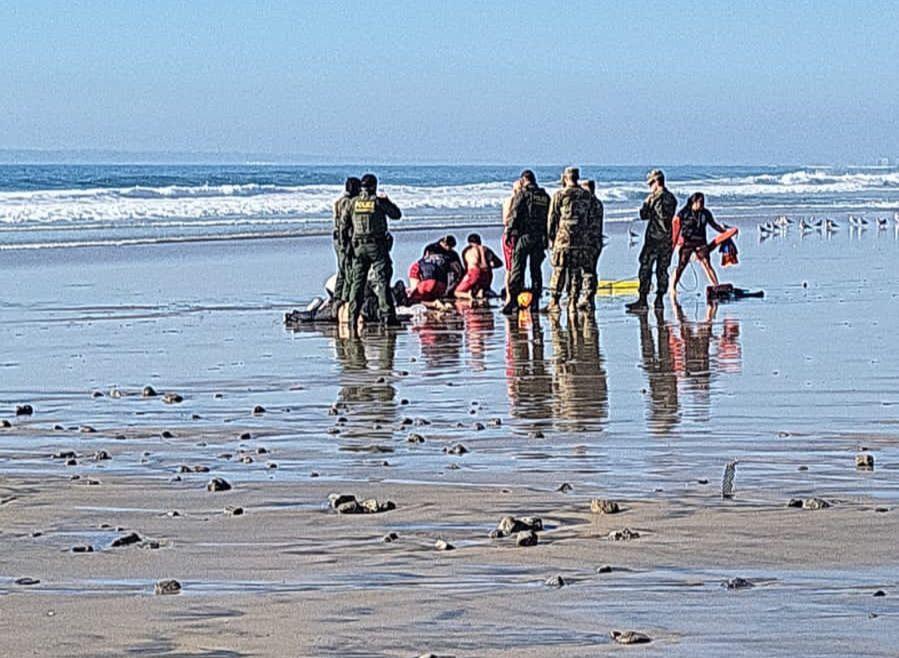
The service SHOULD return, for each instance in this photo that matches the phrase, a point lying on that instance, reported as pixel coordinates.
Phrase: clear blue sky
(603, 82)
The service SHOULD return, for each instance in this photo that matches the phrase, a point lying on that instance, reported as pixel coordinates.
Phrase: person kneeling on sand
(480, 261)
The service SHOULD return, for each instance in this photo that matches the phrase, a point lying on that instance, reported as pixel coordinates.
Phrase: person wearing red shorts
(480, 261)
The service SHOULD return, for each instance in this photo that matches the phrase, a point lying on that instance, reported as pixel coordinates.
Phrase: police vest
(369, 220)
(537, 208)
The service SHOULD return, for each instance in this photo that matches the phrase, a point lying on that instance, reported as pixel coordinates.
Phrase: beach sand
(643, 411)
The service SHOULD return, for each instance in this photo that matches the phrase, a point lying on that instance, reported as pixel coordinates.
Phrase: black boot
(511, 308)
(638, 306)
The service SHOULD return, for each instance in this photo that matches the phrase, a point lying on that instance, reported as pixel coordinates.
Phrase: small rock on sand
(24, 410)
(165, 587)
(509, 525)
(172, 398)
(101, 455)
(148, 392)
(390, 537)
(5, 424)
(737, 583)
(526, 538)
(258, 409)
(233, 511)
(605, 568)
(555, 581)
(86, 429)
(625, 534)
(879, 593)
(166, 434)
(83, 548)
(26, 581)
(443, 545)
(125, 540)
(456, 449)
(218, 484)
(347, 504)
(564, 488)
(864, 461)
(602, 506)
(415, 438)
(808, 503)
(630, 637)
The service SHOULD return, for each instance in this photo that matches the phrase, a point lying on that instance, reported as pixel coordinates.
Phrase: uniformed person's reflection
(664, 410)
(580, 387)
(527, 374)
(367, 395)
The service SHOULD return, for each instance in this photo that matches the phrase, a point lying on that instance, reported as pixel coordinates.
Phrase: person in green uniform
(571, 215)
(371, 244)
(658, 211)
(594, 243)
(342, 235)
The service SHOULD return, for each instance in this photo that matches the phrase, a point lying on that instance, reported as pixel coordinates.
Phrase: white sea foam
(245, 204)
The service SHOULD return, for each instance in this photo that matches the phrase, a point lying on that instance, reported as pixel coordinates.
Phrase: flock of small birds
(781, 225)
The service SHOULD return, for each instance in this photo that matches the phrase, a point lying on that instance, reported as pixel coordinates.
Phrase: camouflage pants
(573, 270)
(658, 253)
(371, 256)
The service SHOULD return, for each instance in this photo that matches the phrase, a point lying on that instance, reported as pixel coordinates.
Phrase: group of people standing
(569, 225)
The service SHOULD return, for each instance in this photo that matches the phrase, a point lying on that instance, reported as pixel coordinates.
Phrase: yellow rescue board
(609, 288)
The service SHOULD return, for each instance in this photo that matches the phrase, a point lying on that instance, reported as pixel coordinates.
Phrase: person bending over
(480, 261)
(688, 236)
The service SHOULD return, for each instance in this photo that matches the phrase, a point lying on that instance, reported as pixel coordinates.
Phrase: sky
(455, 82)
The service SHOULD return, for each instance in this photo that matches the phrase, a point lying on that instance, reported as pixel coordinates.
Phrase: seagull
(783, 221)
(881, 223)
(829, 226)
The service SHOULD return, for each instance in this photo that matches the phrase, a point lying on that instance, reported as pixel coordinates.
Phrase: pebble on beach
(808, 503)
(125, 540)
(509, 525)
(630, 637)
(24, 410)
(864, 461)
(148, 392)
(166, 587)
(443, 545)
(602, 506)
(172, 398)
(233, 511)
(218, 484)
(456, 449)
(526, 538)
(625, 534)
(348, 504)
(555, 581)
(5, 424)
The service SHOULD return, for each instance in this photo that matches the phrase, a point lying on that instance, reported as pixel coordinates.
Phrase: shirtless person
(480, 261)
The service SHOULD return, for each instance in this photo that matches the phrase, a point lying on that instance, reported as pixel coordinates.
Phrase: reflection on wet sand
(367, 390)
(664, 409)
(528, 379)
(681, 356)
(580, 387)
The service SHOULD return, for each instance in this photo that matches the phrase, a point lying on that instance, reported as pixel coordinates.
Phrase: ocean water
(69, 205)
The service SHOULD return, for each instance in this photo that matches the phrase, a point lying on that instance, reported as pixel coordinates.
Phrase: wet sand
(644, 411)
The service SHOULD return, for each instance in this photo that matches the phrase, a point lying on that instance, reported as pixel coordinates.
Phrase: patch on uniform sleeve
(364, 206)
(541, 201)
